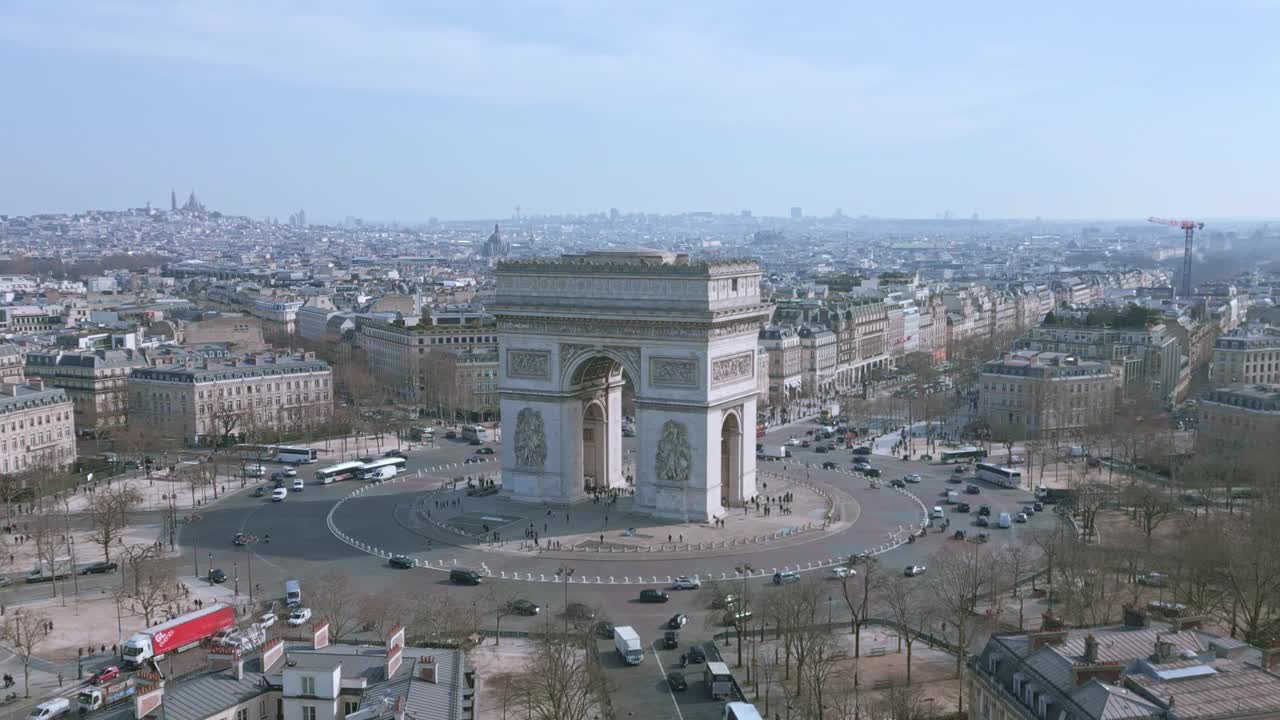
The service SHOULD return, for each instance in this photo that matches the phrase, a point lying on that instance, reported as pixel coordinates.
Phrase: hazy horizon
(395, 112)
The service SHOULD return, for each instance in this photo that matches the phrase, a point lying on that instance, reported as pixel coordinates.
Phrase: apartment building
(10, 363)
(1149, 356)
(1248, 355)
(205, 399)
(1035, 394)
(1239, 413)
(96, 381)
(401, 355)
(786, 362)
(36, 427)
(818, 360)
(1138, 670)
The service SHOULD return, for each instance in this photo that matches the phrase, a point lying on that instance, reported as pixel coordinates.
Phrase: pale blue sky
(405, 110)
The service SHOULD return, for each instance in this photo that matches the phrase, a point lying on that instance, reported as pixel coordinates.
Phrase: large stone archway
(683, 333)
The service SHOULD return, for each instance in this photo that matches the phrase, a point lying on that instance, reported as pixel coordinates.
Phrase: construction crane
(1189, 227)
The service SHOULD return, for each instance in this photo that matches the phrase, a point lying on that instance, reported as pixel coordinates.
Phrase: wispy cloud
(685, 72)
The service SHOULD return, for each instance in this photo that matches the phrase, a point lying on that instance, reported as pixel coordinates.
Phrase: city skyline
(394, 112)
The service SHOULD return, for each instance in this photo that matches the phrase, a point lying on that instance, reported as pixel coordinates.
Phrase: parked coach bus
(474, 432)
(1002, 476)
(296, 455)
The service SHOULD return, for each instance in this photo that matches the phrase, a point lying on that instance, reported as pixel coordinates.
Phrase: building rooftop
(14, 397)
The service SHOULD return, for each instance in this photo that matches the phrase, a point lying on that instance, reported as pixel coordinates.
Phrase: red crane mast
(1189, 227)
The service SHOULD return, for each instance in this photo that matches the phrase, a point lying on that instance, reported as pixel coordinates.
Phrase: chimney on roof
(1190, 622)
(394, 658)
(1164, 651)
(148, 698)
(1134, 617)
(1271, 656)
(1090, 649)
(36, 383)
(319, 635)
(271, 652)
(428, 670)
(1050, 622)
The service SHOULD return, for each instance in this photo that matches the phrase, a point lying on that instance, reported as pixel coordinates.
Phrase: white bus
(1002, 476)
(342, 471)
(740, 711)
(383, 469)
(296, 455)
(474, 432)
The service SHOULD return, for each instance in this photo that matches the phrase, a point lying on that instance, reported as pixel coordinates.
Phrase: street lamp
(235, 572)
(210, 569)
(564, 573)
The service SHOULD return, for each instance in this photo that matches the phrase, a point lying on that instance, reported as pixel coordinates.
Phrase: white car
(254, 471)
(279, 494)
(841, 572)
(793, 441)
(299, 616)
(914, 570)
(267, 620)
(685, 582)
(912, 478)
(937, 513)
(289, 472)
(298, 484)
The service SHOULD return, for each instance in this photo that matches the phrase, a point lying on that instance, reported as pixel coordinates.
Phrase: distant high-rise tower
(173, 199)
(614, 214)
(796, 213)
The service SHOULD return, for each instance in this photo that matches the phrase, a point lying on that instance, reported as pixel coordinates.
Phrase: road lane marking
(662, 672)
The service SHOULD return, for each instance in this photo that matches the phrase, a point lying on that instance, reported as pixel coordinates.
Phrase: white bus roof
(383, 462)
(742, 711)
(342, 466)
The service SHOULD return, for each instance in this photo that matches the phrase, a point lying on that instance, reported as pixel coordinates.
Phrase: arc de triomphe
(684, 333)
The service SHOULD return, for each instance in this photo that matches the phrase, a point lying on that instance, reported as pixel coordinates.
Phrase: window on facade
(308, 685)
(349, 706)
(308, 712)
(242, 714)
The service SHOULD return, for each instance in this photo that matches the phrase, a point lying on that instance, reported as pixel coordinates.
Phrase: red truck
(178, 634)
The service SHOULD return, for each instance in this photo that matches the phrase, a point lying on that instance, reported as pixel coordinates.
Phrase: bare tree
(381, 611)
(958, 579)
(899, 703)
(562, 681)
(109, 510)
(855, 588)
(1151, 506)
(24, 630)
(154, 585)
(508, 688)
(911, 611)
(339, 604)
(1014, 562)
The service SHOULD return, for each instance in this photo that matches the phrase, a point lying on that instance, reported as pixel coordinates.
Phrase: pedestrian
(59, 679)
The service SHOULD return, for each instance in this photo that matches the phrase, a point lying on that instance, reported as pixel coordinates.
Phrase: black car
(451, 435)
(872, 472)
(972, 489)
(960, 470)
(828, 465)
(984, 521)
(677, 621)
(604, 629)
(217, 576)
(260, 491)
(898, 483)
(578, 611)
(862, 450)
(524, 607)
(820, 449)
(696, 655)
(1038, 506)
(400, 561)
(984, 510)
(652, 595)
(955, 480)
(476, 442)
(676, 680)
(671, 640)
(393, 452)
(963, 508)
(99, 568)
(459, 576)
(484, 451)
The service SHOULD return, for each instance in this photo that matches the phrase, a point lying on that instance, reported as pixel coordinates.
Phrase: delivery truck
(627, 643)
(774, 452)
(178, 634)
(96, 698)
(44, 571)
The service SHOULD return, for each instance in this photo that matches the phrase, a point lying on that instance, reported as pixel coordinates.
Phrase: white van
(1005, 521)
(298, 485)
(937, 513)
(50, 709)
(292, 593)
(279, 494)
(953, 497)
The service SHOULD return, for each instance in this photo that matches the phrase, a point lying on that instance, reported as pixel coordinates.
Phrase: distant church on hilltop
(192, 205)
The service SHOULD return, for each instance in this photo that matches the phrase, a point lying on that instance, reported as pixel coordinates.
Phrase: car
(792, 442)
(99, 568)
(278, 483)
(861, 465)
(1005, 521)
(913, 478)
(841, 572)
(653, 595)
(913, 570)
(670, 640)
(289, 472)
(1038, 506)
(696, 655)
(820, 449)
(484, 451)
(677, 621)
(1028, 510)
(299, 484)
(805, 443)
(242, 538)
(780, 578)
(1020, 517)
(5, 581)
(365, 459)
(578, 611)
(686, 582)
(963, 508)
(450, 435)
(260, 491)
(676, 681)
(299, 616)
(862, 450)
(278, 475)
(476, 441)
(217, 576)
(984, 510)
(872, 472)
(1153, 579)
(828, 465)
(463, 576)
(267, 620)
(521, 606)
(279, 494)
(972, 489)
(955, 480)
(604, 629)
(402, 562)
(393, 452)
(254, 471)
(983, 521)
(737, 617)
(104, 675)
(727, 601)
(937, 513)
